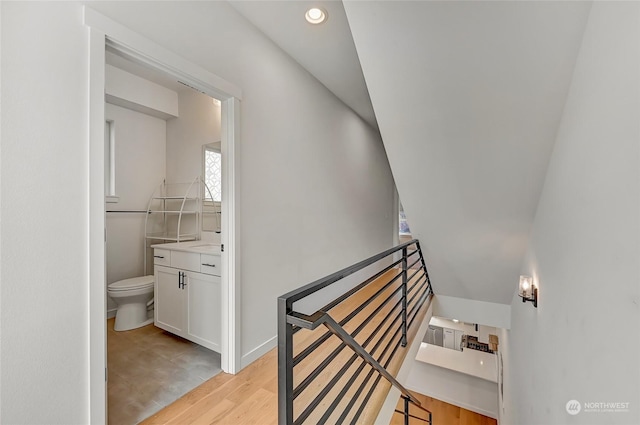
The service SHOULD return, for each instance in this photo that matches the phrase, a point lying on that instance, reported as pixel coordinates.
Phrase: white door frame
(105, 32)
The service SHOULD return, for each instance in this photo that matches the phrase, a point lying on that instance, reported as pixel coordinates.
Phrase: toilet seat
(141, 282)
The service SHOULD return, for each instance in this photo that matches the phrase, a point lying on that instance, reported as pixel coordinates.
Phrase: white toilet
(132, 296)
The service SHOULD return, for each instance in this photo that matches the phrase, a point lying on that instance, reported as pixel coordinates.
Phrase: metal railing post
(406, 411)
(424, 266)
(285, 364)
(290, 322)
(404, 297)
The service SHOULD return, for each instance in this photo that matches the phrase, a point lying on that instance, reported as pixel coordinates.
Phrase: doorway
(158, 129)
(106, 34)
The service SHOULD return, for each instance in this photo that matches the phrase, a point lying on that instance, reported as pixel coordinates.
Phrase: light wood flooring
(442, 413)
(251, 396)
(149, 369)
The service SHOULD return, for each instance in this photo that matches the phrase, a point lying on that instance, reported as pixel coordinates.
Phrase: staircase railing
(373, 321)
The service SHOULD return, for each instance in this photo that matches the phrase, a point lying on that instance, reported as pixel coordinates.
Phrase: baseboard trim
(258, 352)
(111, 313)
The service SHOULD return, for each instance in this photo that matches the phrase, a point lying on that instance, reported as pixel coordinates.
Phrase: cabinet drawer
(161, 257)
(185, 260)
(210, 264)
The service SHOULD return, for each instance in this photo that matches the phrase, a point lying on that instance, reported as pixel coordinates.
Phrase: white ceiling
(326, 51)
(468, 97)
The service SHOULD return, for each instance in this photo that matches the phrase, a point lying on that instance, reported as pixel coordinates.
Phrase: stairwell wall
(582, 341)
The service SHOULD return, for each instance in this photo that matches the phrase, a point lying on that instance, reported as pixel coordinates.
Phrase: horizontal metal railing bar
(418, 270)
(310, 321)
(304, 353)
(419, 406)
(360, 286)
(345, 413)
(353, 400)
(414, 263)
(368, 396)
(305, 383)
(305, 321)
(417, 283)
(356, 374)
(319, 284)
(337, 351)
(414, 293)
(316, 401)
(342, 334)
(414, 311)
(416, 306)
(321, 340)
(413, 416)
(342, 383)
(338, 399)
(357, 288)
(412, 252)
(363, 384)
(325, 390)
(348, 408)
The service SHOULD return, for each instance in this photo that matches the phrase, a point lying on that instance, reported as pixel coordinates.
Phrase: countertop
(470, 362)
(198, 247)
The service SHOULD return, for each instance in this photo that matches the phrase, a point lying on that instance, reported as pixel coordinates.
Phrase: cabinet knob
(158, 256)
(209, 265)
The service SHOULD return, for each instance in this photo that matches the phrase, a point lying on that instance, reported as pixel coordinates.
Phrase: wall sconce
(528, 291)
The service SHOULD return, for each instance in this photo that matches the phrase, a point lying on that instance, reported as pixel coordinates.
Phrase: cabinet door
(168, 300)
(458, 340)
(449, 338)
(203, 309)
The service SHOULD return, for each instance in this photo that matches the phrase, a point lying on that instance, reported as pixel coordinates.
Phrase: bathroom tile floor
(149, 369)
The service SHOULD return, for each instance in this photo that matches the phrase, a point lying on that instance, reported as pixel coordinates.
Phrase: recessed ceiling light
(455, 320)
(315, 16)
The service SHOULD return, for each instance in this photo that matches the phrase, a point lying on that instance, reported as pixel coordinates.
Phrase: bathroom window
(404, 226)
(110, 161)
(213, 175)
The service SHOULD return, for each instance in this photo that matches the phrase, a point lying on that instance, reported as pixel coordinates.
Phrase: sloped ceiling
(326, 50)
(468, 97)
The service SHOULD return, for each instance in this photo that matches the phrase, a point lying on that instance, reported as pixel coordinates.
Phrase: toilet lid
(133, 283)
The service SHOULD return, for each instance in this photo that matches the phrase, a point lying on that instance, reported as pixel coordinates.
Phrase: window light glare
(315, 16)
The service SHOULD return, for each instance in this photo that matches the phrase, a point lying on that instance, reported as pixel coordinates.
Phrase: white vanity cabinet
(187, 295)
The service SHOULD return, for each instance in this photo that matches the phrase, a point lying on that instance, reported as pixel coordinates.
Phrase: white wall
(197, 125)
(582, 341)
(301, 149)
(136, 93)
(44, 173)
(140, 154)
(472, 311)
(466, 391)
